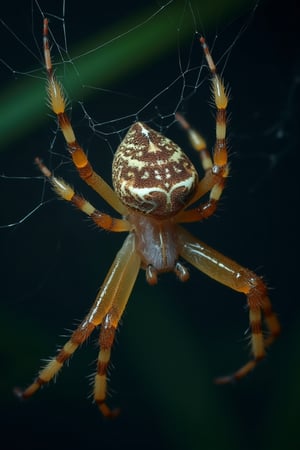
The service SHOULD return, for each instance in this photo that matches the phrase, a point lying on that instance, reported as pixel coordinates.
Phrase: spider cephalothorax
(156, 187)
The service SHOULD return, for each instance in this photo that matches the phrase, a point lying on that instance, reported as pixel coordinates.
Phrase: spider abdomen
(151, 174)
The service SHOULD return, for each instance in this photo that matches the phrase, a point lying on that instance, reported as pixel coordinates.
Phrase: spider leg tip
(113, 414)
(224, 379)
(107, 412)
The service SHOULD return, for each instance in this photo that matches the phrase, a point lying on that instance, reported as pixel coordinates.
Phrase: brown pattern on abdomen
(151, 174)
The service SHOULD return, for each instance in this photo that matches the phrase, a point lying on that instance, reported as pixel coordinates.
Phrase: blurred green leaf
(117, 52)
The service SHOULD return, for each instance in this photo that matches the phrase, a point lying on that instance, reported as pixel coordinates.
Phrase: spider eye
(151, 174)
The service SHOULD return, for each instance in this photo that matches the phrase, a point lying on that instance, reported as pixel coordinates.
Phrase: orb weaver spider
(154, 186)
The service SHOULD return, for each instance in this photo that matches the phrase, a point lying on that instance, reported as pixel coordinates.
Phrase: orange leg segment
(108, 329)
(65, 191)
(216, 171)
(57, 103)
(238, 278)
(108, 306)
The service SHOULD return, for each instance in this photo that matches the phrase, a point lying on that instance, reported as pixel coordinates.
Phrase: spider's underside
(155, 188)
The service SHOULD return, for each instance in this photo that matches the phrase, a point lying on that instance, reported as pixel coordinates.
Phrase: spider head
(151, 174)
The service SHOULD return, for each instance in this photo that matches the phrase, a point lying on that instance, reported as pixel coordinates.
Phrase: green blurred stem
(117, 52)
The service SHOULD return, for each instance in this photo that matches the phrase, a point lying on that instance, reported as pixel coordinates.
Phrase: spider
(155, 186)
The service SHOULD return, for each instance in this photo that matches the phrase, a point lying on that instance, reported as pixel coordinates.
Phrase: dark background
(175, 337)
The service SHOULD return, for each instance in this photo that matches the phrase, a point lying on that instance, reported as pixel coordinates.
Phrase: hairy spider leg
(216, 170)
(108, 329)
(110, 323)
(106, 310)
(57, 102)
(231, 274)
(198, 143)
(65, 191)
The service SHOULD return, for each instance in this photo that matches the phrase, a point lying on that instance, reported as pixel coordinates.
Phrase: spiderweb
(125, 63)
(145, 64)
(41, 236)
